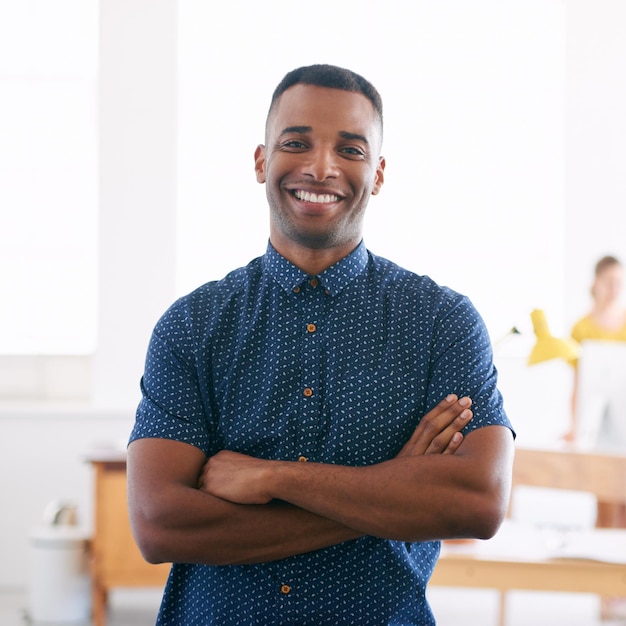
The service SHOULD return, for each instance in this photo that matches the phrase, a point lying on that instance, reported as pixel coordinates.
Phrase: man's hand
(439, 431)
(235, 477)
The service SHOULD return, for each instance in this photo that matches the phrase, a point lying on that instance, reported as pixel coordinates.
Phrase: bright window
(48, 176)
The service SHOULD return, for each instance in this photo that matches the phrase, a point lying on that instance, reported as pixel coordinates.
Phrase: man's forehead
(306, 95)
(302, 103)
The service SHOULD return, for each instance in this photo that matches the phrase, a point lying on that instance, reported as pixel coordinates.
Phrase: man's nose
(323, 164)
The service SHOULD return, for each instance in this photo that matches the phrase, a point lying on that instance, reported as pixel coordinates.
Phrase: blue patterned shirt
(336, 368)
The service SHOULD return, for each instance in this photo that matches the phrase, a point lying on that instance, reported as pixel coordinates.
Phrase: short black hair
(330, 76)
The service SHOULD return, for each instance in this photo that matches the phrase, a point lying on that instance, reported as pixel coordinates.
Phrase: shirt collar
(333, 279)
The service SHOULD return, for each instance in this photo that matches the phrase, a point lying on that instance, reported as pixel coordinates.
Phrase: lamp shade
(547, 346)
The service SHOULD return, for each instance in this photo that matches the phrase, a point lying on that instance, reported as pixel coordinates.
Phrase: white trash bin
(60, 589)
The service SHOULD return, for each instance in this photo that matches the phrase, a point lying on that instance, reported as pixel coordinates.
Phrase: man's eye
(352, 151)
(294, 144)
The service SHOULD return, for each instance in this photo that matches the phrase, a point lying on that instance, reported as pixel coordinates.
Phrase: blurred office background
(127, 129)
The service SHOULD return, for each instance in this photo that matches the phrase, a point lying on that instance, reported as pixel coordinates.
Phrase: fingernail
(451, 397)
(464, 401)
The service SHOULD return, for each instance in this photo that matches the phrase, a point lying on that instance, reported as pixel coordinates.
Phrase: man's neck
(314, 261)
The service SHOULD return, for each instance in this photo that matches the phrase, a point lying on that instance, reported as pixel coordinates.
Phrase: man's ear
(259, 163)
(380, 176)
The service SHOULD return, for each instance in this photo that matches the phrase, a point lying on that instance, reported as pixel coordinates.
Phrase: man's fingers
(434, 433)
(447, 441)
(455, 443)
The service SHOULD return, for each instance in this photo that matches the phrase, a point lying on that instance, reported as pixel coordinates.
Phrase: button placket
(312, 313)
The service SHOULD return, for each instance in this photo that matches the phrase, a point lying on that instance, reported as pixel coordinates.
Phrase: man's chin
(317, 241)
(321, 238)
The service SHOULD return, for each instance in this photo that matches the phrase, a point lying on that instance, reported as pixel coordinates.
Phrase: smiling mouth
(316, 198)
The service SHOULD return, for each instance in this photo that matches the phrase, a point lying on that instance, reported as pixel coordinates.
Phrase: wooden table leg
(99, 604)
(502, 608)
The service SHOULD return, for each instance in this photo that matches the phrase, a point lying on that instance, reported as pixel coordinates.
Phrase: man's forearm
(411, 498)
(214, 531)
(174, 521)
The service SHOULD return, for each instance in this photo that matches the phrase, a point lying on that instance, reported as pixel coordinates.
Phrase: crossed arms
(235, 509)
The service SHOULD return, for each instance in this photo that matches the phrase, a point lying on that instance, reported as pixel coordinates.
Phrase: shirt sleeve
(172, 405)
(463, 363)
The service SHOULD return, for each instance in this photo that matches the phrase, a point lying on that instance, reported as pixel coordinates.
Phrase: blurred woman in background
(607, 317)
(606, 321)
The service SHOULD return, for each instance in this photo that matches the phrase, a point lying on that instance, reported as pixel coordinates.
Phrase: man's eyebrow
(296, 129)
(346, 135)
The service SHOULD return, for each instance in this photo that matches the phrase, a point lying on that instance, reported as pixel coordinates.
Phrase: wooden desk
(505, 574)
(517, 558)
(568, 468)
(522, 556)
(116, 560)
(505, 568)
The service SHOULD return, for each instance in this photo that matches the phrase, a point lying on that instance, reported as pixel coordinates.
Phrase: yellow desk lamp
(547, 346)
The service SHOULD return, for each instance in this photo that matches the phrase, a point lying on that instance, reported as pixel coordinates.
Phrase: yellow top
(588, 328)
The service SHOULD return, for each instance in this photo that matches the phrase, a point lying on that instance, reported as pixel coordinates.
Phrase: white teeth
(322, 198)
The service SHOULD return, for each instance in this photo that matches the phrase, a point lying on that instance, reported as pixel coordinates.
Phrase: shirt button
(327, 292)
(308, 392)
(302, 459)
(314, 282)
(285, 589)
(296, 289)
(311, 328)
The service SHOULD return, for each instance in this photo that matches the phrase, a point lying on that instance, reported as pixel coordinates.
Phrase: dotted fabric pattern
(336, 368)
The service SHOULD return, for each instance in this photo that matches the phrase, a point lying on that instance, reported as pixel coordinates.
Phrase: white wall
(41, 450)
(595, 147)
(137, 160)
(43, 443)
